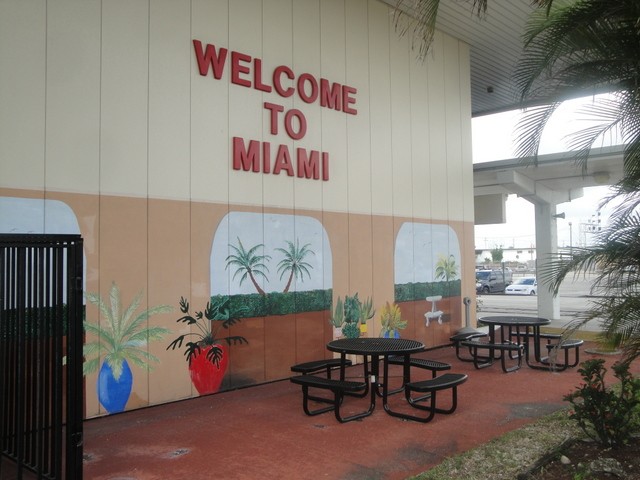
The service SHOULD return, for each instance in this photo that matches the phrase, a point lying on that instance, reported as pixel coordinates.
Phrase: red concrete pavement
(262, 432)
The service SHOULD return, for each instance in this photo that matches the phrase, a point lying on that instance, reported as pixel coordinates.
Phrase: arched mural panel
(427, 277)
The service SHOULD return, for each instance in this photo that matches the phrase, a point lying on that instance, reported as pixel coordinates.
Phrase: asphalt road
(574, 299)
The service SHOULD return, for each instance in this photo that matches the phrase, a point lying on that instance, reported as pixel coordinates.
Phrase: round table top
(514, 320)
(375, 346)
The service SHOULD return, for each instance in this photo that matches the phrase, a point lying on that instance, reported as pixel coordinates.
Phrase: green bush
(278, 303)
(608, 416)
(410, 292)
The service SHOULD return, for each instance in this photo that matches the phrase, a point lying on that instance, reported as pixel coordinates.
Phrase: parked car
(523, 286)
(489, 281)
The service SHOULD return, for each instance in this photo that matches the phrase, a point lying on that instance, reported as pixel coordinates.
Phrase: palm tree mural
(248, 263)
(293, 262)
(446, 268)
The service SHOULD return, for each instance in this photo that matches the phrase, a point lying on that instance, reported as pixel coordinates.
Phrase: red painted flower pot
(206, 376)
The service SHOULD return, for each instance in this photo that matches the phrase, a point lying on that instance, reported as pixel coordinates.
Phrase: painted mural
(261, 265)
(282, 259)
(271, 264)
(206, 344)
(279, 173)
(427, 267)
(37, 215)
(120, 338)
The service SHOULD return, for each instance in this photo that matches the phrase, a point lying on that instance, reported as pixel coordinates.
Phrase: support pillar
(546, 246)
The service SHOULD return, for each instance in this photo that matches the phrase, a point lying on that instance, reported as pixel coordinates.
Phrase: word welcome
(246, 71)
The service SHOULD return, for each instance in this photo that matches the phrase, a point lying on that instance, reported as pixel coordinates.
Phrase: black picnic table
(525, 327)
(375, 348)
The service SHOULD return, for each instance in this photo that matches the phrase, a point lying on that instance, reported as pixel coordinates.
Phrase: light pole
(570, 239)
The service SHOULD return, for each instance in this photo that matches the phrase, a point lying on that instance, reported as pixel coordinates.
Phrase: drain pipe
(467, 317)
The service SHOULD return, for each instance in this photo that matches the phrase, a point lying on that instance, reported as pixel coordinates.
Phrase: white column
(546, 246)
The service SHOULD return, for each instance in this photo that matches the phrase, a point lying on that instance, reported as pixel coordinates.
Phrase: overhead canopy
(496, 46)
(556, 178)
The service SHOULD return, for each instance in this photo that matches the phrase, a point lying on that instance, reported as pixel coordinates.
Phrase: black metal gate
(41, 337)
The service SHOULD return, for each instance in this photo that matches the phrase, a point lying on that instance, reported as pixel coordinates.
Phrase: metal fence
(41, 337)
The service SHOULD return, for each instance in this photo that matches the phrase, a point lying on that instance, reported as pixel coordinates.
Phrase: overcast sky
(493, 139)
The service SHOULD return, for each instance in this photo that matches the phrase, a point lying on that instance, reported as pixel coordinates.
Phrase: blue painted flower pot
(113, 394)
(387, 334)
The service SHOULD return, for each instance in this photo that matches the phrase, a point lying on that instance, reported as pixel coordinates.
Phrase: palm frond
(121, 338)
(114, 314)
(148, 334)
(90, 366)
(530, 128)
(418, 19)
(105, 336)
(134, 326)
(124, 322)
(141, 358)
(105, 311)
(615, 260)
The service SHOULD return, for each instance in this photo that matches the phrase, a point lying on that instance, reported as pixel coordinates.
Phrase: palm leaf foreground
(418, 18)
(615, 259)
(593, 47)
(122, 335)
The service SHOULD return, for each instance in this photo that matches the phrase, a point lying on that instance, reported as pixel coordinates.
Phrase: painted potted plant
(366, 313)
(391, 320)
(336, 318)
(207, 354)
(351, 325)
(122, 339)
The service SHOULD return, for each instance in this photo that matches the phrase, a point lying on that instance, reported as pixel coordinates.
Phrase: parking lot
(574, 299)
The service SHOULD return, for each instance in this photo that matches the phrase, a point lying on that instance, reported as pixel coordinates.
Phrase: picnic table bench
(314, 366)
(338, 387)
(448, 381)
(505, 349)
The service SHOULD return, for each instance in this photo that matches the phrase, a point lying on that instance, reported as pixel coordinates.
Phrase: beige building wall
(103, 107)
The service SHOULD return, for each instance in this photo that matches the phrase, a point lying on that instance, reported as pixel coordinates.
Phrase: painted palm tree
(593, 46)
(121, 339)
(293, 262)
(249, 264)
(446, 268)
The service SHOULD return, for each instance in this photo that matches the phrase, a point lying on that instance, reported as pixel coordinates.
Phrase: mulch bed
(581, 454)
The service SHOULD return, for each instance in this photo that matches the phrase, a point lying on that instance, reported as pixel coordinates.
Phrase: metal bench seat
(546, 336)
(480, 361)
(423, 363)
(431, 387)
(458, 338)
(566, 345)
(318, 365)
(338, 387)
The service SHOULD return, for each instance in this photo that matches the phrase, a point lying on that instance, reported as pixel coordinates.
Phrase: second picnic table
(524, 326)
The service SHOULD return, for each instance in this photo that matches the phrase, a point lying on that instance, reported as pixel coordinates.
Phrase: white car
(522, 286)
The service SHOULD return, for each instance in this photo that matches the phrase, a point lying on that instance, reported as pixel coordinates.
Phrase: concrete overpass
(554, 179)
